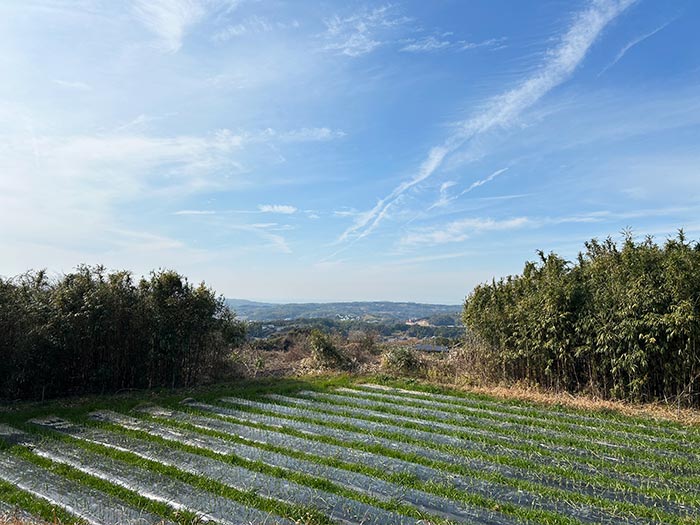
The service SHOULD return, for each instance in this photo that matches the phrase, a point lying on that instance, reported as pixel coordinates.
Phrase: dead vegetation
(466, 369)
(306, 353)
(469, 367)
(17, 519)
(671, 412)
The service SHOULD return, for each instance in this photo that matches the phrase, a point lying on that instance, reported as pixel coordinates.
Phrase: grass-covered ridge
(340, 449)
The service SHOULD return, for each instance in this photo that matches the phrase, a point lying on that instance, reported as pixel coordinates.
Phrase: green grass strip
(35, 505)
(606, 415)
(425, 434)
(495, 435)
(681, 445)
(615, 508)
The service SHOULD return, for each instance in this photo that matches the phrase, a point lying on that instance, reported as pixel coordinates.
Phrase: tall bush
(621, 321)
(96, 331)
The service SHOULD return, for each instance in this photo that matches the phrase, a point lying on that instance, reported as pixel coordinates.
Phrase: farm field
(342, 450)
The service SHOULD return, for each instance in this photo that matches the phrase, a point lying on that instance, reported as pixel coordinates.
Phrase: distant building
(418, 322)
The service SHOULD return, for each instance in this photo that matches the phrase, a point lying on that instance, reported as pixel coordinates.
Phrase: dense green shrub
(324, 350)
(94, 331)
(401, 360)
(621, 321)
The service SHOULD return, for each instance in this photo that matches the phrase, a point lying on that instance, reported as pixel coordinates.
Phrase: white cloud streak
(276, 241)
(432, 43)
(493, 43)
(351, 212)
(631, 44)
(445, 199)
(124, 166)
(460, 230)
(194, 212)
(303, 134)
(284, 209)
(77, 85)
(426, 45)
(361, 33)
(168, 19)
(502, 110)
(75, 184)
(253, 25)
(481, 182)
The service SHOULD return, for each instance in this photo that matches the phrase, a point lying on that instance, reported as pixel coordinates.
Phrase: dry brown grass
(468, 369)
(659, 411)
(449, 372)
(17, 520)
(298, 360)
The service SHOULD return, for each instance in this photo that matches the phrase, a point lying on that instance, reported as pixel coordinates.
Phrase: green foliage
(401, 360)
(388, 328)
(622, 321)
(324, 350)
(444, 320)
(94, 331)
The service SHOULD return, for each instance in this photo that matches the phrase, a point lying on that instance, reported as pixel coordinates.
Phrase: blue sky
(298, 150)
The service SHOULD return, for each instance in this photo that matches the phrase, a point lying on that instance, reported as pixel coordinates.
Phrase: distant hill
(366, 311)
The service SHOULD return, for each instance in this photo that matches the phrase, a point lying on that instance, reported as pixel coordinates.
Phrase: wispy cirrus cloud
(284, 209)
(195, 212)
(267, 233)
(483, 181)
(346, 212)
(362, 32)
(74, 184)
(73, 84)
(303, 134)
(432, 43)
(457, 231)
(118, 158)
(445, 198)
(560, 62)
(461, 230)
(493, 43)
(368, 29)
(426, 44)
(631, 44)
(192, 159)
(82, 179)
(170, 20)
(253, 25)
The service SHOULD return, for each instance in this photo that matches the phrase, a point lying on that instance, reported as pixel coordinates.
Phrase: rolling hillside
(382, 311)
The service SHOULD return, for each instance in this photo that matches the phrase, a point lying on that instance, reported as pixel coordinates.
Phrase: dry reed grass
(470, 369)
(19, 520)
(532, 394)
(660, 411)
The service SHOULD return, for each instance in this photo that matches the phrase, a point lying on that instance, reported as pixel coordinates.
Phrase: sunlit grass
(552, 465)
